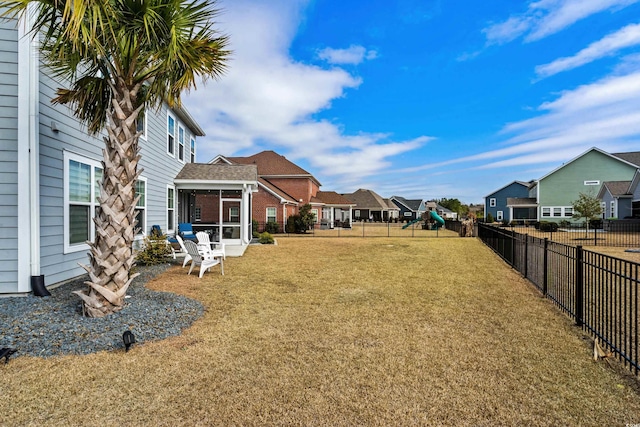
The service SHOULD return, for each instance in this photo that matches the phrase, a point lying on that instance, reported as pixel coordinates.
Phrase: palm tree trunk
(111, 255)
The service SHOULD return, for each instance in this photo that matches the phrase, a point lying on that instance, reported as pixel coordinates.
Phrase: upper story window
(171, 135)
(492, 202)
(82, 178)
(181, 143)
(193, 150)
(141, 126)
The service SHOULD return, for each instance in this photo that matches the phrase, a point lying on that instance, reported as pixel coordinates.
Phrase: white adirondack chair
(200, 256)
(216, 249)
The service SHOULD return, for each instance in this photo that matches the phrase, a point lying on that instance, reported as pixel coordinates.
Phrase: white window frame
(557, 212)
(181, 155)
(356, 213)
(142, 118)
(568, 212)
(274, 216)
(603, 205)
(92, 204)
(143, 208)
(192, 150)
(170, 135)
(545, 212)
(197, 212)
(171, 228)
(592, 182)
(316, 215)
(612, 206)
(492, 202)
(499, 216)
(233, 216)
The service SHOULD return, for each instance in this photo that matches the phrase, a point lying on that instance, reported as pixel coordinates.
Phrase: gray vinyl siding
(8, 157)
(159, 171)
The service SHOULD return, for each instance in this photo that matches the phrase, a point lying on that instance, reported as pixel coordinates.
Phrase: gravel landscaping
(54, 326)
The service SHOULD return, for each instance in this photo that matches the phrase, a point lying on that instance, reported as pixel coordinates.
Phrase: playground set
(432, 221)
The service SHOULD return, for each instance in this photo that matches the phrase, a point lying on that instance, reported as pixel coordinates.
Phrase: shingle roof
(270, 163)
(276, 190)
(217, 172)
(413, 204)
(618, 188)
(332, 198)
(631, 157)
(367, 199)
(391, 205)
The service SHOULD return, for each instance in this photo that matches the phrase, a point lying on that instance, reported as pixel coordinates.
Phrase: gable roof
(411, 204)
(196, 172)
(271, 164)
(278, 192)
(615, 188)
(333, 198)
(367, 199)
(523, 183)
(620, 159)
(632, 157)
(392, 206)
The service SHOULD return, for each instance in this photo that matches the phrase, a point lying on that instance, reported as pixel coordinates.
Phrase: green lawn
(341, 332)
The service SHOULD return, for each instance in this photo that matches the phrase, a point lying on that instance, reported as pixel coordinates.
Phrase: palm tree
(120, 56)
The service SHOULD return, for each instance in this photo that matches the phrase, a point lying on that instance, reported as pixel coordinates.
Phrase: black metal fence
(598, 233)
(599, 292)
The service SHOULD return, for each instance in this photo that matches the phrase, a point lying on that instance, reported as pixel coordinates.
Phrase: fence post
(362, 228)
(526, 255)
(579, 290)
(513, 248)
(545, 264)
(389, 228)
(595, 236)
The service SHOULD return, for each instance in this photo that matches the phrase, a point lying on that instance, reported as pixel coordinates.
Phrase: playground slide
(437, 218)
(410, 223)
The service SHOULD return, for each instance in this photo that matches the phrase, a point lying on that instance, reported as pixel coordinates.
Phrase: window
(234, 214)
(198, 213)
(314, 212)
(82, 178)
(604, 209)
(356, 213)
(499, 216)
(171, 203)
(181, 143)
(546, 212)
(271, 215)
(592, 182)
(612, 205)
(141, 125)
(492, 203)
(557, 212)
(171, 135)
(568, 212)
(193, 150)
(141, 206)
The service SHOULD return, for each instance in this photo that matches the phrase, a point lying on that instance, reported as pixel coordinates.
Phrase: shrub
(564, 223)
(490, 218)
(291, 223)
(595, 223)
(155, 250)
(266, 238)
(272, 227)
(548, 226)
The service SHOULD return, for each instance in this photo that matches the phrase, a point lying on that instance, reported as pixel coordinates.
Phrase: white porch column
(245, 229)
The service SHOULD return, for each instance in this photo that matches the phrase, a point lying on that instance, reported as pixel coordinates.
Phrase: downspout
(28, 162)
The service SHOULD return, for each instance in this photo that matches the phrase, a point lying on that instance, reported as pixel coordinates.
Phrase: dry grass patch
(341, 332)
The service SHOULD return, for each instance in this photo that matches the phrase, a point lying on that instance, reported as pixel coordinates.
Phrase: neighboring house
(394, 211)
(557, 190)
(409, 208)
(369, 206)
(336, 209)
(49, 169)
(441, 210)
(621, 199)
(497, 202)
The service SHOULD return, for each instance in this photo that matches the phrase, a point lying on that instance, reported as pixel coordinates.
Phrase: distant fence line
(367, 229)
(599, 292)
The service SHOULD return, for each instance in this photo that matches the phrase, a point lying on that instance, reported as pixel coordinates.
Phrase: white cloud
(352, 55)
(546, 17)
(609, 45)
(268, 99)
(605, 114)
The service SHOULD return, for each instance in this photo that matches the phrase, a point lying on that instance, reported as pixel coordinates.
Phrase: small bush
(490, 218)
(548, 226)
(266, 238)
(254, 228)
(155, 250)
(564, 223)
(272, 227)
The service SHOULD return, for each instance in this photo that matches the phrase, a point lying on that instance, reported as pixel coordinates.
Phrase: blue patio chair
(185, 230)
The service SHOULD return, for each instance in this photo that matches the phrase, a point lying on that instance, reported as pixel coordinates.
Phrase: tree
(588, 207)
(302, 221)
(119, 57)
(454, 205)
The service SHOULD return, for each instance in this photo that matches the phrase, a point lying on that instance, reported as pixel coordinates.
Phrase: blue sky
(424, 98)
